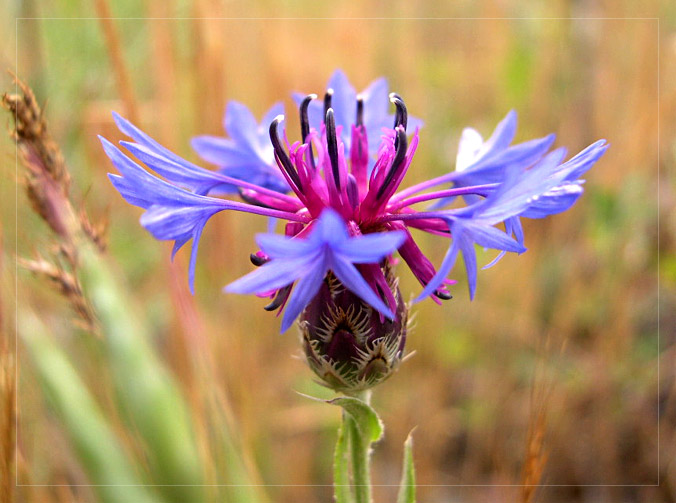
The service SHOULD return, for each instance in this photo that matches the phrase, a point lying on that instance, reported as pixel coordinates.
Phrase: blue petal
(249, 154)
(343, 102)
(502, 136)
(354, 281)
(371, 248)
(139, 136)
(376, 101)
(273, 111)
(444, 269)
(491, 237)
(242, 127)
(469, 257)
(130, 191)
(492, 168)
(278, 247)
(183, 172)
(554, 201)
(170, 223)
(222, 151)
(139, 187)
(580, 163)
(302, 294)
(271, 276)
(196, 235)
(332, 228)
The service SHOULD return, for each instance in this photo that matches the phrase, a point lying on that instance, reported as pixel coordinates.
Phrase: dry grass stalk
(119, 69)
(8, 416)
(47, 180)
(536, 453)
(67, 284)
(47, 185)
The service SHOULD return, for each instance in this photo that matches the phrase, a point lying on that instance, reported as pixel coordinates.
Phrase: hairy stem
(360, 454)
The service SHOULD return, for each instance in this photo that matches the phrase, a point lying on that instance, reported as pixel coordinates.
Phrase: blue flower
(247, 154)
(328, 247)
(346, 216)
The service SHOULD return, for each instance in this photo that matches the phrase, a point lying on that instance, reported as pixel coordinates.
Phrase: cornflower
(337, 189)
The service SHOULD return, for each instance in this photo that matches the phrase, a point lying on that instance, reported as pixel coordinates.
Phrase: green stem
(360, 455)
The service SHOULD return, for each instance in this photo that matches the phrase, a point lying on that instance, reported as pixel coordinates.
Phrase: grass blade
(407, 484)
(94, 441)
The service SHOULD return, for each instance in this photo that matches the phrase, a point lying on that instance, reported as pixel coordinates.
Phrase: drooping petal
(272, 275)
(302, 293)
(469, 257)
(350, 277)
(491, 237)
(277, 246)
(444, 269)
(370, 248)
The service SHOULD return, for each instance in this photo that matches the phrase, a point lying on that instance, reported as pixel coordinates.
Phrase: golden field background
(550, 376)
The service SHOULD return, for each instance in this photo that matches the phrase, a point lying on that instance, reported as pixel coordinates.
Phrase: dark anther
(327, 100)
(352, 191)
(401, 117)
(332, 145)
(257, 260)
(279, 299)
(281, 153)
(360, 111)
(400, 144)
(247, 198)
(443, 295)
(305, 124)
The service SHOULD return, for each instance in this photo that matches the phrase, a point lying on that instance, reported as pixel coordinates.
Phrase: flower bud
(347, 343)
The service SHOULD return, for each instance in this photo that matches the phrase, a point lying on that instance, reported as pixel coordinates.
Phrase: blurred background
(550, 376)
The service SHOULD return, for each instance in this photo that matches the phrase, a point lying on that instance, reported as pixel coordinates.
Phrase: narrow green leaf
(341, 476)
(362, 427)
(366, 419)
(360, 454)
(149, 396)
(407, 484)
(94, 441)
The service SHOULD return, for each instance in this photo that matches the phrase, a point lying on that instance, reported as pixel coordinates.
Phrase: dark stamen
(247, 198)
(352, 191)
(281, 153)
(443, 295)
(257, 260)
(305, 124)
(332, 145)
(327, 100)
(400, 144)
(401, 117)
(360, 111)
(279, 299)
